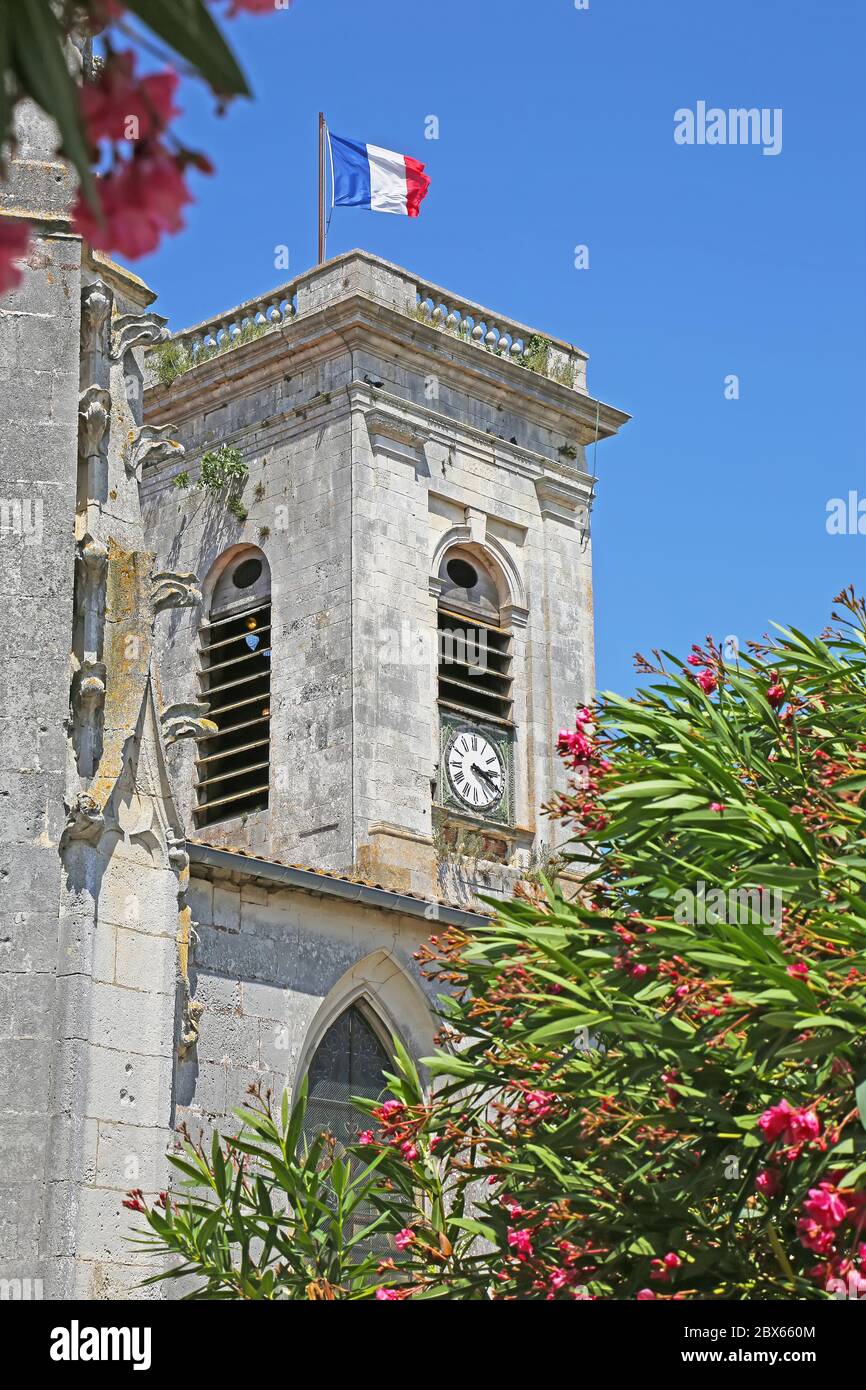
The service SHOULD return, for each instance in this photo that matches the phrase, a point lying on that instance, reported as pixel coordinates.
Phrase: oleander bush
(655, 1086)
(651, 1080)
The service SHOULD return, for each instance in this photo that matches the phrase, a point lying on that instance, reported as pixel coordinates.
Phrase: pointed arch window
(233, 765)
(350, 1060)
(475, 647)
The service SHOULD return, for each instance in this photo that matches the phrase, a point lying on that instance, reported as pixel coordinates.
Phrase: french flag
(366, 176)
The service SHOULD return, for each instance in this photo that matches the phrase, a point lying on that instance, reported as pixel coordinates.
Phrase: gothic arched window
(233, 765)
(349, 1061)
(474, 644)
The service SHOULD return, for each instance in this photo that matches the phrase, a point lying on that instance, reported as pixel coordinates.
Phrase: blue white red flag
(366, 176)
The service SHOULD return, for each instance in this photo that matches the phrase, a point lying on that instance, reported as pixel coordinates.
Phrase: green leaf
(475, 1228)
(219, 1167)
(188, 28)
(860, 1097)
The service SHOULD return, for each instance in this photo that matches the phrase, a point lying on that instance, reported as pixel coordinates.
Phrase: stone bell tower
(411, 493)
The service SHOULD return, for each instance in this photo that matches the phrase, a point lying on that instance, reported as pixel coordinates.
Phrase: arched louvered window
(233, 765)
(475, 647)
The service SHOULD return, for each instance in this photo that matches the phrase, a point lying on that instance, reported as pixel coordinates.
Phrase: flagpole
(321, 187)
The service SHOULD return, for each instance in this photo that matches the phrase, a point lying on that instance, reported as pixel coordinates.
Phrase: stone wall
(38, 432)
(271, 969)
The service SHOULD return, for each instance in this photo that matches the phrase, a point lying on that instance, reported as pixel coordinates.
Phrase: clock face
(475, 770)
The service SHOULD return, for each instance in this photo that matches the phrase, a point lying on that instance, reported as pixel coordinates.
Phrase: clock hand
(482, 772)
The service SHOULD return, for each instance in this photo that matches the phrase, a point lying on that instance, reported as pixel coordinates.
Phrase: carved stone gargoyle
(150, 444)
(186, 721)
(84, 821)
(94, 408)
(137, 330)
(96, 300)
(173, 589)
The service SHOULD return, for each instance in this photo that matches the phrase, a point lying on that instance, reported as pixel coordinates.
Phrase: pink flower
(575, 745)
(767, 1182)
(661, 1269)
(826, 1206)
(775, 695)
(558, 1278)
(717, 806)
(521, 1241)
(14, 237)
(403, 1239)
(707, 681)
(366, 1137)
(141, 198)
(512, 1207)
(794, 1126)
(408, 1150)
(799, 971)
(391, 1107)
(539, 1103)
(644, 1294)
(387, 1295)
(804, 1125)
(119, 106)
(774, 1121)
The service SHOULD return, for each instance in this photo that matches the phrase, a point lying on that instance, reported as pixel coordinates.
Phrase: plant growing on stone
(221, 468)
(562, 373)
(658, 1090)
(222, 472)
(535, 354)
(261, 1217)
(169, 361)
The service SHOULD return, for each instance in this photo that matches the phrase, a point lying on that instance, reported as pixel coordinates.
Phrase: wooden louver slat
(232, 771)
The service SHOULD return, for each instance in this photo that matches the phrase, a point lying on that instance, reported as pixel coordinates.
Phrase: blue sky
(556, 129)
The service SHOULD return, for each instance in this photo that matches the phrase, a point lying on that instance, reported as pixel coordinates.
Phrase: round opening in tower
(461, 573)
(247, 572)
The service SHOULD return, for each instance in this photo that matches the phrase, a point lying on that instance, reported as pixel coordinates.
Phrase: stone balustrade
(360, 272)
(239, 325)
(502, 336)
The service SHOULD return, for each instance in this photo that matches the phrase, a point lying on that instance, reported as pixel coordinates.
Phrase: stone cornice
(357, 323)
(404, 419)
(403, 428)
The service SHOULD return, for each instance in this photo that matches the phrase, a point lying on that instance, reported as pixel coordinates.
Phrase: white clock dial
(475, 770)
